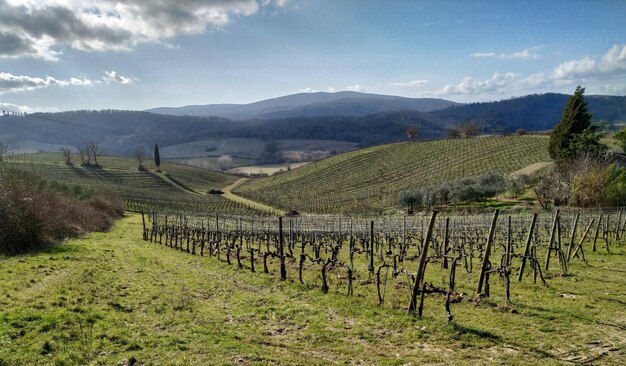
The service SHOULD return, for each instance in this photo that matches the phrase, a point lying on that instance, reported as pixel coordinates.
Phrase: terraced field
(178, 188)
(369, 180)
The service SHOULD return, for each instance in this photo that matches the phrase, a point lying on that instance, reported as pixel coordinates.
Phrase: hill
(537, 112)
(310, 104)
(369, 180)
(179, 187)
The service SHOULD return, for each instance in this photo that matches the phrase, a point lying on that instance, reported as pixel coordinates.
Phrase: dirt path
(228, 194)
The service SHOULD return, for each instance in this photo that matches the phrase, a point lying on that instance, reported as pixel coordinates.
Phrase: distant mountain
(536, 112)
(346, 103)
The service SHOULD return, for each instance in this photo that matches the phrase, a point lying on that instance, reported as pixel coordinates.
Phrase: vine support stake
(422, 264)
(486, 252)
(527, 247)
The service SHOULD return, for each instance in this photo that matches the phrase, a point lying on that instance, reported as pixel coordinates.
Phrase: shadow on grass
(477, 332)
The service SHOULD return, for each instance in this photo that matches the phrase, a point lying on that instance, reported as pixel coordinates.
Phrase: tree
(140, 155)
(468, 129)
(157, 158)
(67, 155)
(574, 120)
(93, 151)
(412, 133)
(224, 162)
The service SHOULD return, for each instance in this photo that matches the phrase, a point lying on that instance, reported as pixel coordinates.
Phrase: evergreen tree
(574, 121)
(157, 157)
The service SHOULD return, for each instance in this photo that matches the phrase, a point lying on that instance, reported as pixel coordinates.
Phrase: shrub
(33, 213)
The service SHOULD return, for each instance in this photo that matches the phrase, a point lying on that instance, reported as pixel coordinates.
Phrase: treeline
(34, 213)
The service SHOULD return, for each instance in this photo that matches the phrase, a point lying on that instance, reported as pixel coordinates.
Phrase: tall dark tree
(157, 157)
(574, 121)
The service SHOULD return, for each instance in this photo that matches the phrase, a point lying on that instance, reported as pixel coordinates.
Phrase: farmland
(179, 187)
(368, 180)
(112, 298)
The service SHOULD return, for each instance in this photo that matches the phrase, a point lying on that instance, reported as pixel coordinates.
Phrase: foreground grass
(111, 298)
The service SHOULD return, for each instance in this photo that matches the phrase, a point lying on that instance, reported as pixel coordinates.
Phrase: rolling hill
(180, 187)
(369, 180)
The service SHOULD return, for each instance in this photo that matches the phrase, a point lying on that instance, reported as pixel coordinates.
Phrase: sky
(136, 54)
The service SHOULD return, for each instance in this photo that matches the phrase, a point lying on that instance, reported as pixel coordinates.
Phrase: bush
(33, 213)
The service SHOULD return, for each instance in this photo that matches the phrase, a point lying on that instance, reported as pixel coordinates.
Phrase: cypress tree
(574, 121)
(157, 157)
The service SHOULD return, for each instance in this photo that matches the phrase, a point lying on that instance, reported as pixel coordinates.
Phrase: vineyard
(395, 261)
(179, 187)
(369, 180)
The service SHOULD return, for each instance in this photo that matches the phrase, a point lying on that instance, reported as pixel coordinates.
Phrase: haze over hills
(346, 103)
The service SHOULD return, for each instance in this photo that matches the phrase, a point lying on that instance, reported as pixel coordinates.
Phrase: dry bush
(32, 213)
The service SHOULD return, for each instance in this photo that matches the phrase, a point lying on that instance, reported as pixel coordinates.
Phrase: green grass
(369, 180)
(110, 298)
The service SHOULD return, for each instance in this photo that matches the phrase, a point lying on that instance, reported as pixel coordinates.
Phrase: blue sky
(135, 54)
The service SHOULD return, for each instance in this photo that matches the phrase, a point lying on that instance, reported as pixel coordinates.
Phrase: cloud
(308, 90)
(42, 28)
(612, 63)
(605, 74)
(356, 88)
(499, 83)
(19, 83)
(527, 54)
(408, 84)
(576, 68)
(332, 89)
(114, 77)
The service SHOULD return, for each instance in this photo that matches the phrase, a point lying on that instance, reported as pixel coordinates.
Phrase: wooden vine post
(573, 237)
(551, 243)
(371, 266)
(483, 270)
(281, 246)
(420, 270)
(527, 247)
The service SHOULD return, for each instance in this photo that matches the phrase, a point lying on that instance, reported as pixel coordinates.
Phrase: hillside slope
(180, 187)
(369, 180)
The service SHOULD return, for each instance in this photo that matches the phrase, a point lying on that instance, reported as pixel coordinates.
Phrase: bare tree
(140, 155)
(224, 162)
(412, 133)
(82, 152)
(67, 155)
(93, 151)
(468, 129)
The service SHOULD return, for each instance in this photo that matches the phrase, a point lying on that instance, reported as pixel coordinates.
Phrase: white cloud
(42, 28)
(114, 77)
(606, 74)
(575, 68)
(527, 54)
(19, 83)
(409, 83)
(307, 90)
(332, 89)
(499, 83)
(356, 88)
(612, 63)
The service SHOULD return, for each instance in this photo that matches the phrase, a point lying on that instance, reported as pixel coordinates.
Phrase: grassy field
(369, 180)
(111, 298)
